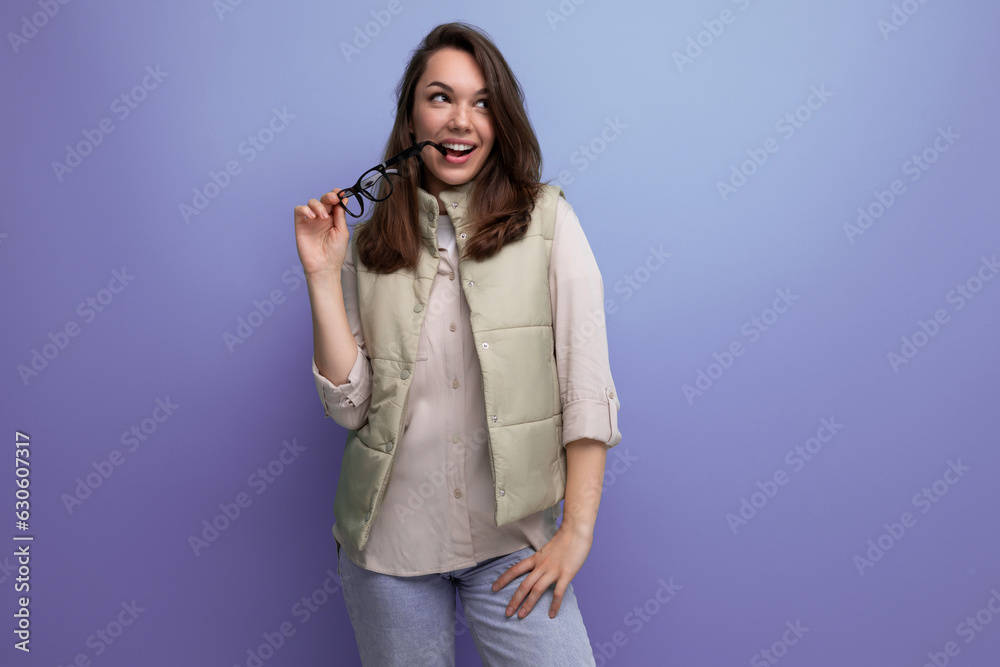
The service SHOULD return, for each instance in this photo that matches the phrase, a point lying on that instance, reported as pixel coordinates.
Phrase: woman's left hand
(558, 561)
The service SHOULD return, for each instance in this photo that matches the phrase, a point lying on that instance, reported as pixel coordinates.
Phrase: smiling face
(451, 109)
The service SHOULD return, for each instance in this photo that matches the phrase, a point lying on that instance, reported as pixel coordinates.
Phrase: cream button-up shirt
(437, 514)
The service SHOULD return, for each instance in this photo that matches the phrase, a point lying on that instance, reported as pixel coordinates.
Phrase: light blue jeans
(411, 620)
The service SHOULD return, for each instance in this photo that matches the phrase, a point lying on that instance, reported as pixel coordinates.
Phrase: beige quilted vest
(511, 319)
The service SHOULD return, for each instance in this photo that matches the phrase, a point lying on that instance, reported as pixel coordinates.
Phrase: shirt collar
(455, 198)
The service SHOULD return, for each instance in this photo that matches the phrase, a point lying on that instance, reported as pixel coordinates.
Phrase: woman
(459, 336)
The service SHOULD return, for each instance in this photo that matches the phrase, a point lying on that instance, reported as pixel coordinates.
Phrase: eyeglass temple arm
(413, 150)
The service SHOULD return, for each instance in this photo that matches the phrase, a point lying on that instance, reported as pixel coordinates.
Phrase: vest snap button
(417, 308)
(471, 283)
(368, 516)
(494, 419)
(462, 235)
(502, 492)
(430, 217)
(486, 345)
(454, 204)
(405, 374)
(388, 447)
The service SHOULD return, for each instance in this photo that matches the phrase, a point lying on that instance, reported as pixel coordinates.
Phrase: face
(449, 108)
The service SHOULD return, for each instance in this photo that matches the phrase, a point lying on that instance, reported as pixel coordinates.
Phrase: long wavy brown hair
(504, 192)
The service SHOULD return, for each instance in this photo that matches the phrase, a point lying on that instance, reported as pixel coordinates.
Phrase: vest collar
(455, 198)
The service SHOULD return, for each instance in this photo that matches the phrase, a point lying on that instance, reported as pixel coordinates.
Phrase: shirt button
(417, 308)
(612, 394)
(458, 493)
(454, 384)
(451, 276)
(452, 326)
(454, 438)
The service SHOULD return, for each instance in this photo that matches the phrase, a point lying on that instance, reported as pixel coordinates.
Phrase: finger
(557, 597)
(537, 591)
(304, 211)
(333, 197)
(513, 572)
(319, 209)
(521, 593)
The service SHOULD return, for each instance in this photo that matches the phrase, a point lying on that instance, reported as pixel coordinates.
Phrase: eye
(437, 95)
(485, 103)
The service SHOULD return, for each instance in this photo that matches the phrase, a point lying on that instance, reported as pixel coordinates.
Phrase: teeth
(459, 147)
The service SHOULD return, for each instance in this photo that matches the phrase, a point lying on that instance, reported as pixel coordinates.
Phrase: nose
(459, 117)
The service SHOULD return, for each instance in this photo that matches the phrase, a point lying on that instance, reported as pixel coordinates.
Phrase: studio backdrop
(794, 208)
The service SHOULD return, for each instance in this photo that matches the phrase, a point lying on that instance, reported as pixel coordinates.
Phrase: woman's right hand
(321, 233)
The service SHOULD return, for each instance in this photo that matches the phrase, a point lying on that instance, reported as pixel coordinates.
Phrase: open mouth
(456, 154)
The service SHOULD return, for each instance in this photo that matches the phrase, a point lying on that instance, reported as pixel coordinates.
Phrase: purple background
(650, 183)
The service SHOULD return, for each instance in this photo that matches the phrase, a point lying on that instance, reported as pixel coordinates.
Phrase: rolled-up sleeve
(348, 403)
(589, 400)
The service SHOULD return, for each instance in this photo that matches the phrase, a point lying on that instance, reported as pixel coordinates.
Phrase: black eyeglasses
(375, 184)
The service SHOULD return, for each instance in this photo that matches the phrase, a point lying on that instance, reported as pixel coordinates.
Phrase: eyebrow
(481, 91)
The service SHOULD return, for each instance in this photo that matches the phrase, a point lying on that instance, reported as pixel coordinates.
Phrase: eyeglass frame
(359, 189)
